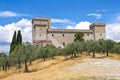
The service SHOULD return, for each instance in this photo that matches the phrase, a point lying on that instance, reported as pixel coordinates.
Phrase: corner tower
(98, 31)
(40, 30)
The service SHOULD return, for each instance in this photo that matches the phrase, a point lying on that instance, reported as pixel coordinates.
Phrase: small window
(63, 35)
(63, 43)
(40, 35)
(52, 34)
(100, 34)
(87, 34)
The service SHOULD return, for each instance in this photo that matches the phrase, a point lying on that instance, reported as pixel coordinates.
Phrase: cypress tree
(13, 43)
(16, 40)
(19, 37)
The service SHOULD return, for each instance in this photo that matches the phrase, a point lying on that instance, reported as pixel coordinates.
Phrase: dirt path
(103, 67)
(99, 67)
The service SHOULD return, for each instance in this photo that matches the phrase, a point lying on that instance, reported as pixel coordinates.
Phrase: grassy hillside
(81, 68)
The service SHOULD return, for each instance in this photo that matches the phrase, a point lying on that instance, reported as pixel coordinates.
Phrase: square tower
(98, 31)
(40, 30)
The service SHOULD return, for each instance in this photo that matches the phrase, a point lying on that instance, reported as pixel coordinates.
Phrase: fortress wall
(42, 34)
(88, 36)
(61, 38)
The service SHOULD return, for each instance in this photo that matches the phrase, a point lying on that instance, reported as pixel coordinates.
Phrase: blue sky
(74, 14)
(75, 10)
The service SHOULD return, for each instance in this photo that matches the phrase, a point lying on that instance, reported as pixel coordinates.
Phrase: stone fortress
(43, 34)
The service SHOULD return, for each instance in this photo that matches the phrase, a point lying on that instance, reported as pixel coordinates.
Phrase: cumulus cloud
(113, 31)
(10, 14)
(80, 25)
(7, 31)
(25, 25)
(62, 21)
(98, 16)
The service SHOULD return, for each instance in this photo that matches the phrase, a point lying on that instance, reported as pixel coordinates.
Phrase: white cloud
(113, 31)
(4, 48)
(59, 20)
(102, 10)
(54, 27)
(6, 31)
(117, 18)
(10, 14)
(62, 21)
(80, 25)
(98, 16)
(70, 27)
(25, 25)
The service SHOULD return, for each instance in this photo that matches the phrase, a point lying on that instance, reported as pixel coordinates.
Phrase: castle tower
(39, 31)
(42, 34)
(98, 31)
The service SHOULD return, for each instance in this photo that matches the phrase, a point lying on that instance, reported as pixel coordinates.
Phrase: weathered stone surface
(42, 32)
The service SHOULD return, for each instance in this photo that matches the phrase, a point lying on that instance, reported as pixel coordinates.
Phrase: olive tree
(4, 62)
(79, 36)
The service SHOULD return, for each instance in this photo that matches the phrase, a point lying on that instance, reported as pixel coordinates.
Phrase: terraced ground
(77, 69)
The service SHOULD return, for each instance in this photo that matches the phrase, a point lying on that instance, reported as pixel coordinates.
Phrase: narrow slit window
(52, 34)
(63, 35)
(87, 34)
(63, 43)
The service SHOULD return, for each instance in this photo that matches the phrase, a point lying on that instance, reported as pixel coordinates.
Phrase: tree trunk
(93, 54)
(88, 53)
(103, 52)
(52, 57)
(8, 65)
(75, 55)
(81, 52)
(19, 64)
(30, 62)
(26, 67)
(44, 58)
(71, 55)
(107, 53)
(5, 68)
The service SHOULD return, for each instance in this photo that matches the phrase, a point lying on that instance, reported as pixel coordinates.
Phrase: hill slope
(93, 69)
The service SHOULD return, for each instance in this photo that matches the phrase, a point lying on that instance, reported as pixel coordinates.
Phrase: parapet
(98, 24)
(41, 21)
